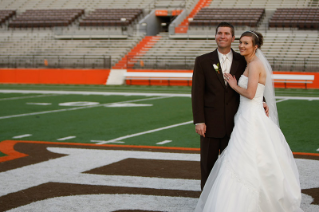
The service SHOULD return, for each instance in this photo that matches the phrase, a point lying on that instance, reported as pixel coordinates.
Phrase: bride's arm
(253, 79)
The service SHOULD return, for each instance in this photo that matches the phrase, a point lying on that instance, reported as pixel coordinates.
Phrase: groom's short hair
(226, 24)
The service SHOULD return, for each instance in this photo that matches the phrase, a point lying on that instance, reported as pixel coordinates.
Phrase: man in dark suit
(214, 102)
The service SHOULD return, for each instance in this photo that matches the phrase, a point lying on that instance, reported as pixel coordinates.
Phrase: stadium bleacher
(301, 18)
(95, 28)
(112, 17)
(238, 17)
(46, 18)
(6, 15)
(270, 4)
(292, 52)
(30, 47)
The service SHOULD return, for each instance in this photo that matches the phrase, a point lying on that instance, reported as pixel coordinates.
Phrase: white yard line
(281, 100)
(44, 112)
(66, 138)
(146, 132)
(96, 93)
(297, 98)
(22, 136)
(77, 108)
(105, 93)
(164, 142)
(24, 97)
(38, 103)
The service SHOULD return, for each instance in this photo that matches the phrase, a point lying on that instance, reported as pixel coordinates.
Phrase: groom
(214, 102)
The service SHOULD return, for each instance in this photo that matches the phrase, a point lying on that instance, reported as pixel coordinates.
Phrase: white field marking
(106, 142)
(318, 150)
(164, 142)
(297, 98)
(128, 105)
(96, 93)
(22, 136)
(146, 132)
(77, 108)
(66, 138)
(78, 104)
(25, 97)
(111, 202)
(281, 100)
(38, 103)
(129, 94)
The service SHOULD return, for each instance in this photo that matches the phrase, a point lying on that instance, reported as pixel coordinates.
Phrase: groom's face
(224, 37)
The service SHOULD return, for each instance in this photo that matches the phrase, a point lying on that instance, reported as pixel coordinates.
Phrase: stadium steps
(182, 28)
(141, 48)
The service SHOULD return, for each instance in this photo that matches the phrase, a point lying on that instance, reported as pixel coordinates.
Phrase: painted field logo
(46, 176)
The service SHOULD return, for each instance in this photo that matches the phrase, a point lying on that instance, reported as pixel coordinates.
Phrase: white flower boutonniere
(217, 67)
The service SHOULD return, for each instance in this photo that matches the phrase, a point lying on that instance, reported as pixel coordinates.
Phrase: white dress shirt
(225, 61)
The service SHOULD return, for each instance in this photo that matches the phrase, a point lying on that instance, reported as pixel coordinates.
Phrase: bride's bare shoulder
(256, 65)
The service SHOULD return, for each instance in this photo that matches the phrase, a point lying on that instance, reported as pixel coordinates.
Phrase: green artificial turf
(2, 154)
(298, 118)
(299, 121)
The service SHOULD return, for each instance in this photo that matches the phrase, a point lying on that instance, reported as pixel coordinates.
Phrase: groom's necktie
(225, 65)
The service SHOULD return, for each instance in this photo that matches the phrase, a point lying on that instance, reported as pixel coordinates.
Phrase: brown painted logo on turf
(81, 177)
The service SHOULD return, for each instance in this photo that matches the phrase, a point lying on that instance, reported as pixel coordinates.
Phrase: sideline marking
(149, 131)
(7, 147)
(128, 94)
(164, 142)
(78, 108)
(281, 100)
(25, 97)
(66, 138)
(22, 136)
(95, 93)
(128, 105)
(36, 103)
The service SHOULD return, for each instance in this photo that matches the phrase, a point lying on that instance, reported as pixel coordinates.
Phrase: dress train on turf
(257, 171)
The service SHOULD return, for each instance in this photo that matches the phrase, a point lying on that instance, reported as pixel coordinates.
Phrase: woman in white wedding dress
(257, 171)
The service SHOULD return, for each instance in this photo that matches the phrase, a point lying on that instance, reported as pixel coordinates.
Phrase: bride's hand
(231, 80)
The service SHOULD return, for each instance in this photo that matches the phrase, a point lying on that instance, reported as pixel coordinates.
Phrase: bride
(257, 171)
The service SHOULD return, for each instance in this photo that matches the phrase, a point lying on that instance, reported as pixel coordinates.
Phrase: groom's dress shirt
(225, 62)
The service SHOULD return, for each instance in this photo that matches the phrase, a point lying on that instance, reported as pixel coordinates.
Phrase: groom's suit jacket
(213, 102)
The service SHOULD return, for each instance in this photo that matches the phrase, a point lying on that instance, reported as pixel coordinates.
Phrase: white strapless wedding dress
(257, 171)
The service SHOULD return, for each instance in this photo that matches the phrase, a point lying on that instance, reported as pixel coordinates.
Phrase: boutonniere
(217, 67)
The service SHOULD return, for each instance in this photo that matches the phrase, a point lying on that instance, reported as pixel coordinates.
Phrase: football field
(123, 148)
(137, 115)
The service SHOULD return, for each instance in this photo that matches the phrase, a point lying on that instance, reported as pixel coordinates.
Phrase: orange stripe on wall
(55, 76)
(159, 70)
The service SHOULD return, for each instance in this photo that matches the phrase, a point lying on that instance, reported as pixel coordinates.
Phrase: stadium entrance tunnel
(165, 22)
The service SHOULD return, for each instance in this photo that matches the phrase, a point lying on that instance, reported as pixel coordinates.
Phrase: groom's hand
(200, 129)
(266, 108)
